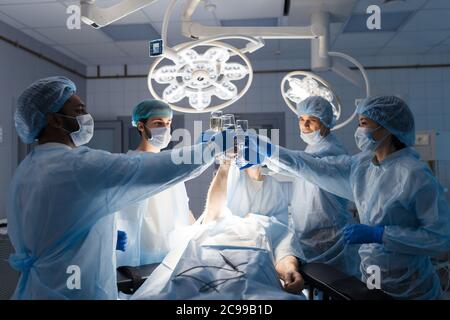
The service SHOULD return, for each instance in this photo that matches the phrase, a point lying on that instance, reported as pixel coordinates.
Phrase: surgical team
(70, 205)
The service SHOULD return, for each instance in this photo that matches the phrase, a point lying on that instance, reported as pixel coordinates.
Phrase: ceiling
(413, 27)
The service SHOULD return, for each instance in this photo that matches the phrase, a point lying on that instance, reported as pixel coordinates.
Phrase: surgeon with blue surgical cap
(150, 223)
(62, 189)
(319, 217)
(405, 219)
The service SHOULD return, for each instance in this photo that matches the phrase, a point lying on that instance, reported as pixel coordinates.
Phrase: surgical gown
(58, 194)
(245, 195)
(149, 223)
(399, 193)
(319, 217)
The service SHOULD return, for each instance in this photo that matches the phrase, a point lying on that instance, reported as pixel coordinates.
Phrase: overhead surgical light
(199, 77)
(304, 84)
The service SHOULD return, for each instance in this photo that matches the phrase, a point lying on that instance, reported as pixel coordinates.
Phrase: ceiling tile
(437, 4)
(363, 52)
(418, 39)
(238, 9)
(11, 21)
(131, 32)
(37, 15)
(295, 48)
(101, 50)
(440, 49)
(67, 52)
(4, 2)
(38, 36)
(396, 6)
(156, 11)
(85, 35)
(404, 50)
(110, 61)
(429, 20)
(135, 49)
(362, 40)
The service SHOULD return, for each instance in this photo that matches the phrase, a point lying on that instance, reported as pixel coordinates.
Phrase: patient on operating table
(223, 256)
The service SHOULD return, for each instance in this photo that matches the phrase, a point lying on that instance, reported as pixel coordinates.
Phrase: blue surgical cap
(391, 113)
(43, 96)
(318, 107)
(150, 108)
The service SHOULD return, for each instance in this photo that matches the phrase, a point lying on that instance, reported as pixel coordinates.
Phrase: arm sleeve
(282, 240)
(122, 180)
(331, 174)
(432, 236)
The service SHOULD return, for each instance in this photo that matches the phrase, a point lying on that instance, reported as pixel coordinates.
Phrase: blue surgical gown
(319, 217)
(58, 194)
(399, 193)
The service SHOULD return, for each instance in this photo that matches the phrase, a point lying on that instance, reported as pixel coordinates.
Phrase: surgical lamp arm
(197, 31)
(253, 45)
(98, 17)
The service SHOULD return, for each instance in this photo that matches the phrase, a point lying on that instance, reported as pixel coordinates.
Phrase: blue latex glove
(121, 240)
(362, 233)
(256, 150)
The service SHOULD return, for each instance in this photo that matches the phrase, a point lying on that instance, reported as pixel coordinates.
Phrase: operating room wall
(18, 69)
(426, 90)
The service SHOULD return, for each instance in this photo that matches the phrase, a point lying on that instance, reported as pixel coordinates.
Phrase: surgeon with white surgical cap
(61, 189)
(149, 223)
(405, 219)
(319, 217)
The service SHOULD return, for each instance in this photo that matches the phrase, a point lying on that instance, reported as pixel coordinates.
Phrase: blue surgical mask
(311, 138)
(365, 141)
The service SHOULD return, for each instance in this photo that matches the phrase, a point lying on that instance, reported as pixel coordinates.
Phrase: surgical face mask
(85, 131)
(365, 141)
(160, 137)
(311, 138)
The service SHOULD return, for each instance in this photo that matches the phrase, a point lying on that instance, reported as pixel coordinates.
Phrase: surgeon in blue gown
(405, 219)
(319, 217)
(61, 189)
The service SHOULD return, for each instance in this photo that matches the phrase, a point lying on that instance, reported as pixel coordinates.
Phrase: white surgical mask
(86, 131)
(365, 141)
(311, 138)
(160, 137)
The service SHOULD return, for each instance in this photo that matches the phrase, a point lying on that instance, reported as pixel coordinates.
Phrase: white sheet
(196, 269)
